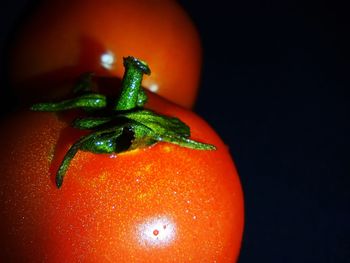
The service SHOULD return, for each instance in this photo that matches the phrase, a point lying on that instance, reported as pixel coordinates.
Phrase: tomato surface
(162, 203)
(63, 39)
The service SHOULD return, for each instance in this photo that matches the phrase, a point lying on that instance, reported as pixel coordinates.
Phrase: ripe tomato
(63, 39)
(162, 203)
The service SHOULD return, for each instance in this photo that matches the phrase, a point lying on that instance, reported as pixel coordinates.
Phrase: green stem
(128, 126)
(132, 95)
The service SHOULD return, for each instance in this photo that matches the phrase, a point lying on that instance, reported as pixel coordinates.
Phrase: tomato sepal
(129, 126)
(86, 101)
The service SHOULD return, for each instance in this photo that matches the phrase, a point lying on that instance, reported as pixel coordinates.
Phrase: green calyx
(127, 126)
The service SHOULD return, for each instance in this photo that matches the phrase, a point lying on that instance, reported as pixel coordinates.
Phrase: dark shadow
(9, 101)
(59, 83)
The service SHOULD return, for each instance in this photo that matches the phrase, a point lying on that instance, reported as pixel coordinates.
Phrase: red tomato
(163, 203)
(63, 39)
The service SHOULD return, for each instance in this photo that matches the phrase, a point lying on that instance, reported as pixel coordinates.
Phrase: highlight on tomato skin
(63, 39)
(164, 203)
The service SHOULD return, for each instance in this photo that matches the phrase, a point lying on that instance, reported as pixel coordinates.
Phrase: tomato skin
(159, 204)
(62, 40)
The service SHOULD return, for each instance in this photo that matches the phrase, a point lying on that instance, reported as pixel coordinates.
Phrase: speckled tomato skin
(159, 204)
(62, 39)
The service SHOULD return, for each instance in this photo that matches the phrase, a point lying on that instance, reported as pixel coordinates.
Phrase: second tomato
(61, 40)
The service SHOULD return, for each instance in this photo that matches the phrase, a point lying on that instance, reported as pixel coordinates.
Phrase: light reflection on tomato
(158, 231)
(108, 60)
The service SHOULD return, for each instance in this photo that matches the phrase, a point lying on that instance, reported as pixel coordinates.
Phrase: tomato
(163, 203)
(152, 184)
(63, 39)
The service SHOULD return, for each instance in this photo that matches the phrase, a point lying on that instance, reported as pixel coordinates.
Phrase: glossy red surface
(158, 204)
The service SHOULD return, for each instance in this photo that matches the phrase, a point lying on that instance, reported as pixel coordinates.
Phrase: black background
(274, 86)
